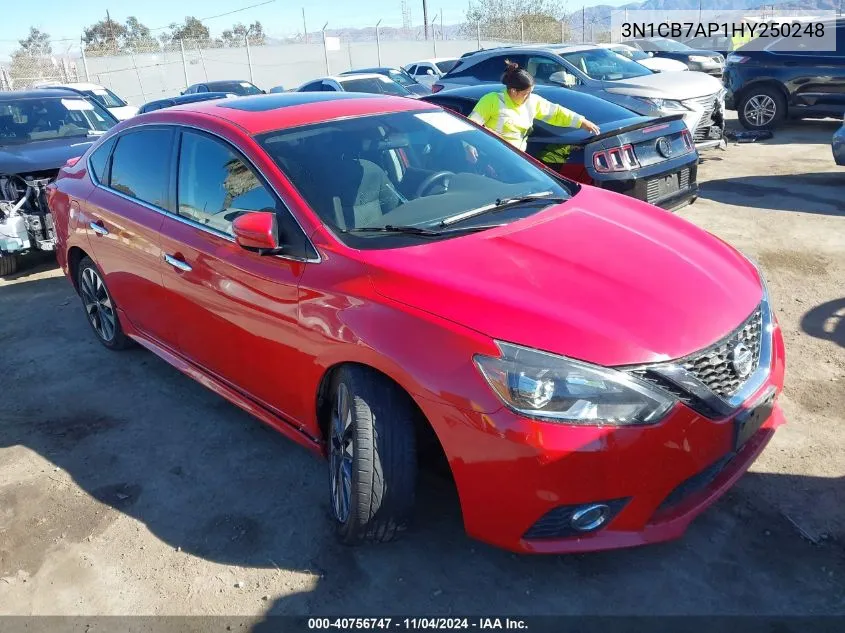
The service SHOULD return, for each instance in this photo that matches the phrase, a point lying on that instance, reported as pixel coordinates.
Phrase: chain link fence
(154, 69)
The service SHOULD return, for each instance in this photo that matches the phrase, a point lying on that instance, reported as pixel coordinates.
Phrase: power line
(220, 15)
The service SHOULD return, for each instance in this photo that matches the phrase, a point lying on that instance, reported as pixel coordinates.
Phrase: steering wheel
(426, 184)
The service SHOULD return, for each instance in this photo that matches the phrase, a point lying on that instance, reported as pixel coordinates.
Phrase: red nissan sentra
(595, 370)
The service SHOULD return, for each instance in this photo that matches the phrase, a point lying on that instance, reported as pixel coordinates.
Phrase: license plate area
(749, 421)
(662, 186)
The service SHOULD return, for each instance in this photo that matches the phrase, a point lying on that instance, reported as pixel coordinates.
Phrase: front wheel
(9, 264)
(372, 456)
(761, 108)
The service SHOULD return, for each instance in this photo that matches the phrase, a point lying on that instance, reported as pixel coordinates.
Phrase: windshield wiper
(418, 230)
(504, 203)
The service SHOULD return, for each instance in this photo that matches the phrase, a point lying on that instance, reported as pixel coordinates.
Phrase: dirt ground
(127, 488)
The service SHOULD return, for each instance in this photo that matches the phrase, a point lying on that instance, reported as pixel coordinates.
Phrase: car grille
(713, 366)
(704, 130)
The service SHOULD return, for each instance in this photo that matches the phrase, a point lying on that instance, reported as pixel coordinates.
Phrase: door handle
(179, 264)
(98, 228)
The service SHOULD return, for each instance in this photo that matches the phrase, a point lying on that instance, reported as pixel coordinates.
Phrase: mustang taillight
(436, 88)
(615, 159)
(688, 143)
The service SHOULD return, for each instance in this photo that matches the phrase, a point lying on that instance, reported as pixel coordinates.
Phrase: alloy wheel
(98, 304)
(341, 453)
(760, 110)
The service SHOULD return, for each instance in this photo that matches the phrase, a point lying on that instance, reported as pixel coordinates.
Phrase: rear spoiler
(579, 137)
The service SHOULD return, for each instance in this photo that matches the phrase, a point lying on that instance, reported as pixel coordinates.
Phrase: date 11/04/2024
(423, 623)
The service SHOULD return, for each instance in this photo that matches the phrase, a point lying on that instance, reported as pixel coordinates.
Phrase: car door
(816, 79)
(124, 214)
(237, 310)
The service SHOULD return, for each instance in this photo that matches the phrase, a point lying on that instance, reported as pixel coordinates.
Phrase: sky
(62, 19)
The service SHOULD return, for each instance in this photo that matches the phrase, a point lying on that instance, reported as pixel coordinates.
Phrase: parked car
(657, 64)
(357, 82)
(838, 145)
(398, 75)
(327, 271)
(718, 44)
(770, 81)
(427, 71)
(234, 86)
(106, 98)
(646, 158)
(602, 73)
(40, 130)
(709, 62)
(159, 104)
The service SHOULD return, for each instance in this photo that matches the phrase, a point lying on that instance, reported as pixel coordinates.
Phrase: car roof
(433, 60)
(40, 93)
(282, 110)
(527, 48)
(362, 75)
(373, 70)
(77, 86)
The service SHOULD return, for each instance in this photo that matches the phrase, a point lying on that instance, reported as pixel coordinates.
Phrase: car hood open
(602, 278)
(677, 85)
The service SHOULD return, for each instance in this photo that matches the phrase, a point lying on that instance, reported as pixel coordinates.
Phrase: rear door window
(141, 165)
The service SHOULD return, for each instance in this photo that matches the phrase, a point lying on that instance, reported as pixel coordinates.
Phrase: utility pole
(325, 49)
(304, 27)
(111, 30)
(378, 44)
(425, 17)
(442, 32)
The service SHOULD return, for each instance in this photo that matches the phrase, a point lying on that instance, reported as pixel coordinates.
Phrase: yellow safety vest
(497, 112)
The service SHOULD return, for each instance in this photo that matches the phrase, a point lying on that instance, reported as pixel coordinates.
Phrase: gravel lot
(127, 488)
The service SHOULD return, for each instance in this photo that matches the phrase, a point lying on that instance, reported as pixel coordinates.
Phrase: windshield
(236, 87)
(374, 85)
(605, 65)
(663, 44)
(401, 77)
(28, 120)
(105, 97)
(406, 169)
(445, 66)
(630, 53)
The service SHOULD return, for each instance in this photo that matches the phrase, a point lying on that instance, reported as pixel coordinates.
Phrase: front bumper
(511, 472)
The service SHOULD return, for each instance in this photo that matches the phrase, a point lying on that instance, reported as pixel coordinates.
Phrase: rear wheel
(99, 307)
(9, 264)
(372, 456)
(761, 108)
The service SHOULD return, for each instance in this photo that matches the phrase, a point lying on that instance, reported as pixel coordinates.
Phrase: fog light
(590, 517)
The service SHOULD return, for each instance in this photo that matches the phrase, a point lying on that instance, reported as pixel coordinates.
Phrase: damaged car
(40, 131)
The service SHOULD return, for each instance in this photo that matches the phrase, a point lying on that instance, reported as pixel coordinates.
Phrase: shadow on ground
(819, 193)
(143, 440)
(826, 321)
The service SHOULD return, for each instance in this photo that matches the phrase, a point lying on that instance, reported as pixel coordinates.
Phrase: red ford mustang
(595, 370)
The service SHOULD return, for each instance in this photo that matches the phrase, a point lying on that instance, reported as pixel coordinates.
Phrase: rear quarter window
(100, 161)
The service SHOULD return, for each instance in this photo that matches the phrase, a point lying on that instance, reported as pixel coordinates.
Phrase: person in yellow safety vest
(740, 38)
(510, 113)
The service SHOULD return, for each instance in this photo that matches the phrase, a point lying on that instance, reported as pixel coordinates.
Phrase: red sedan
(595, 370)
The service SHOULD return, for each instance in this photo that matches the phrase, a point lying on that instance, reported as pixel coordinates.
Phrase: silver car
(603, 73)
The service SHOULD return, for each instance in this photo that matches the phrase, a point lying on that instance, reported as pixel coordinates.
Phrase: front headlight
(667, 105)
(558, 389)
(700, 59)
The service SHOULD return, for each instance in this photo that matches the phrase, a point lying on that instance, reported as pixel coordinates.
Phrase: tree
(535, 20)
(33, 61)
(138, 35)
(36, 44)
(235, 36)
(105, 37)
(191, 29)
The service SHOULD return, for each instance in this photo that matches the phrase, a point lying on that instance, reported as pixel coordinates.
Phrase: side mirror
(257, 231)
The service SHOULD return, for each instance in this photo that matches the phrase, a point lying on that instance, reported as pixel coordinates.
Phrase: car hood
(41, 155)
(601, 278)
(677, 85)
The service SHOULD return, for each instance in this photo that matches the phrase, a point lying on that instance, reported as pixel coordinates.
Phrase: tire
(9, 264)
(372, 455)
(761, 108)
(100, 309)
